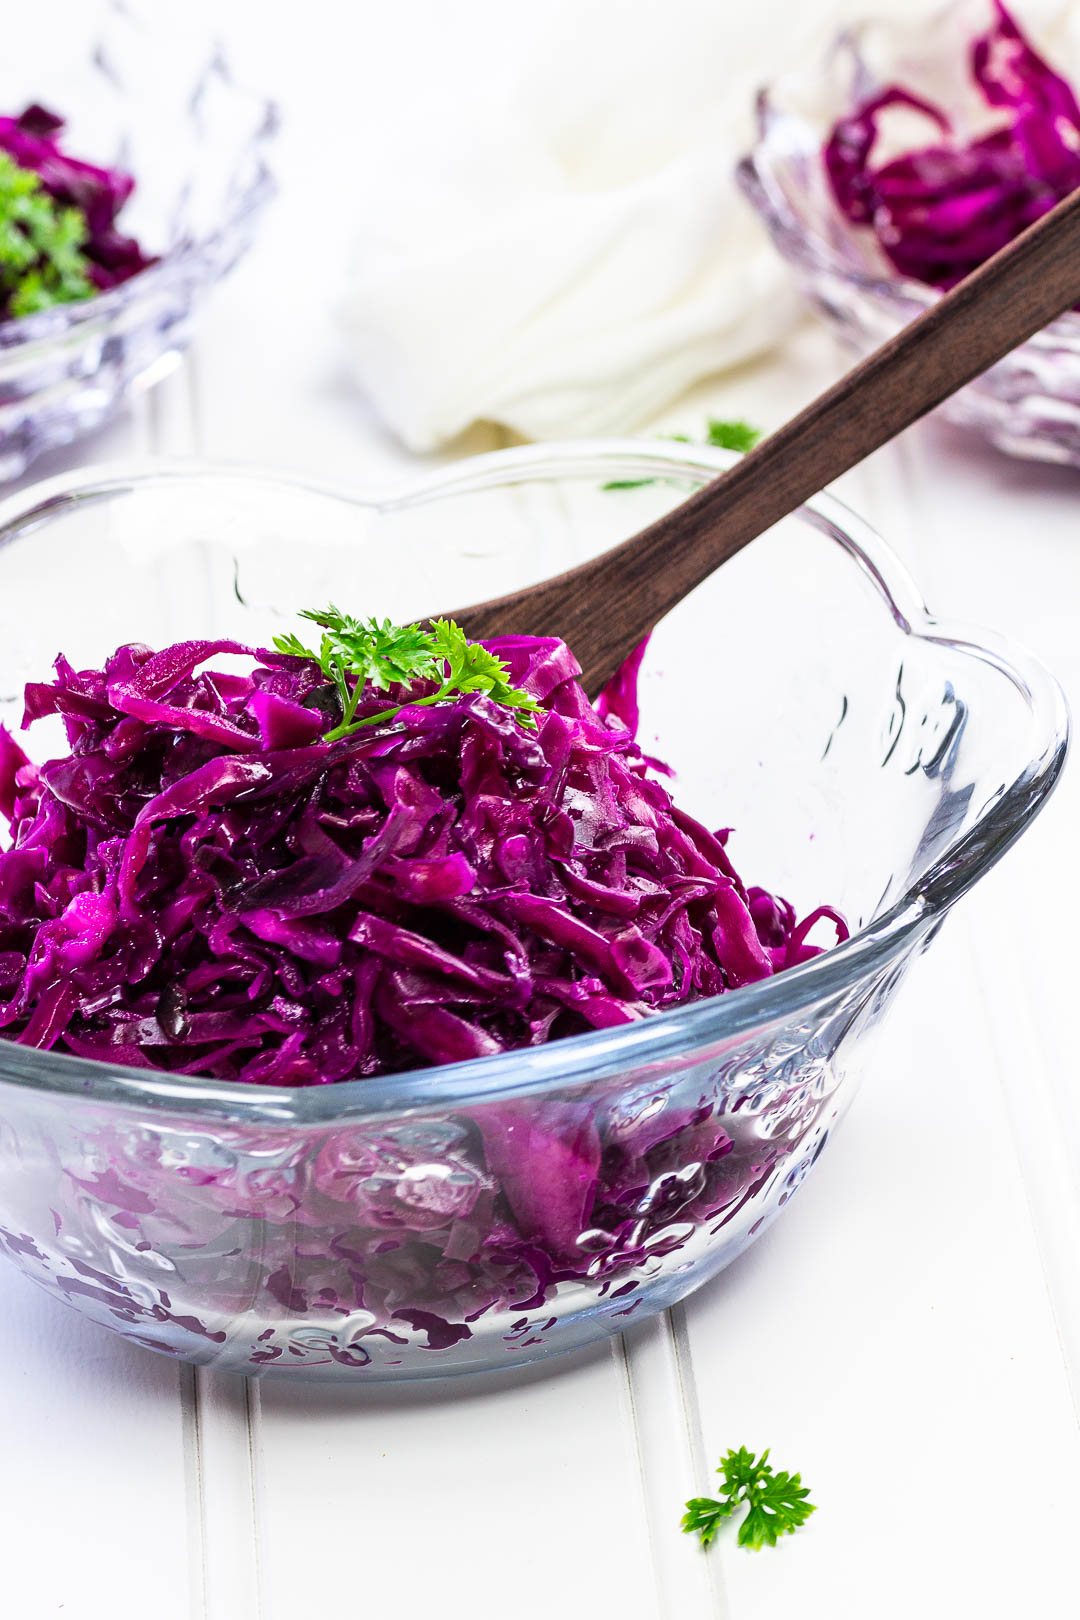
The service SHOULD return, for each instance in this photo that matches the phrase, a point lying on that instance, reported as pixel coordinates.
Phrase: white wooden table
(908, 1336)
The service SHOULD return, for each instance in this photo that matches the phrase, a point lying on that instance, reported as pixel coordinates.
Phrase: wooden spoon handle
(603, 608)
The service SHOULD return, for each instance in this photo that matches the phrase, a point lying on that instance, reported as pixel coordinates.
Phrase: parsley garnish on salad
(778, 1502)
(356, 654)
(41, 242)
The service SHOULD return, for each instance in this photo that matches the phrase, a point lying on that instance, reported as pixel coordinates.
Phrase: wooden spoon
(603, 608)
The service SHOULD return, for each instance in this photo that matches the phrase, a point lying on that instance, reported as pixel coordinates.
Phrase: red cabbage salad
(401, 850)
(940, 210)
(59, 238)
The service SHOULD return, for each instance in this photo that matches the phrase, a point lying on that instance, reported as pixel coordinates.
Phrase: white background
(908, 1336)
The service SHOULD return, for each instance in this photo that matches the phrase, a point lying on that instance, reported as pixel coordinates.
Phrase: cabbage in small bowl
(906, 156)
(105, 307)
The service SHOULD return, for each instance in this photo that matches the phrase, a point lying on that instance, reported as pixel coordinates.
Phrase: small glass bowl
(1029, 403)
(147, 99)
(865, 755)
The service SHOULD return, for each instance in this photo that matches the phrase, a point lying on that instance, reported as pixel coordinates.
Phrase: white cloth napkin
(563, 312)
(571, 252)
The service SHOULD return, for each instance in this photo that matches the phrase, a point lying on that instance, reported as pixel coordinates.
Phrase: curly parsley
(777, 1502)
(357, 655)
(41, 242)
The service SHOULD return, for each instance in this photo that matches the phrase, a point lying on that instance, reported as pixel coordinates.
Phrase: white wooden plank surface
(94, 1489)
(914, 1321)
(488, 1496)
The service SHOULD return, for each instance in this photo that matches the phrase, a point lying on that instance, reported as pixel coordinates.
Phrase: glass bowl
(1029, 403)
(150, 100)
(864, 754)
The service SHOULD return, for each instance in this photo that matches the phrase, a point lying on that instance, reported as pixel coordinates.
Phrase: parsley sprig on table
(41, 241)
(777, 1501)
(722, 435)
(358, 654)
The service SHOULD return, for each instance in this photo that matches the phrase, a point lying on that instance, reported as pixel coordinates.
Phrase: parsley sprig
(356, 655)
(777, 1501)
(722, 435)
(41, 242)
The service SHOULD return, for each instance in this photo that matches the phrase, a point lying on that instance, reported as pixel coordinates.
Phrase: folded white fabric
(574, 254)
(562, 313)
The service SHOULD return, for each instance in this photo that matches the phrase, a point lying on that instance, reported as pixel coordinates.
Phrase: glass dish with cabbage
(399, 849)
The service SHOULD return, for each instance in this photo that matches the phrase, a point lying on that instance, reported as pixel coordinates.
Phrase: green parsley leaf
(41, 242)
(778, 1502)
(293, 646)
(735, 435)
(358, 655)
(705, 1516)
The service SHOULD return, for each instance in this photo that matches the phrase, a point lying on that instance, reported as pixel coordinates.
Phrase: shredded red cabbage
(204, 885)
(31, 140)
(941, 210)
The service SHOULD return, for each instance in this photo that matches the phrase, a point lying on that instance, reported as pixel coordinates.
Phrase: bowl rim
(801, 242)
(706, 1027)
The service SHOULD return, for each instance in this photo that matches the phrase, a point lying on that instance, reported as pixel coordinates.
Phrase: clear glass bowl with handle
(1029, 403)
(158, 101)
(402, 1227)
